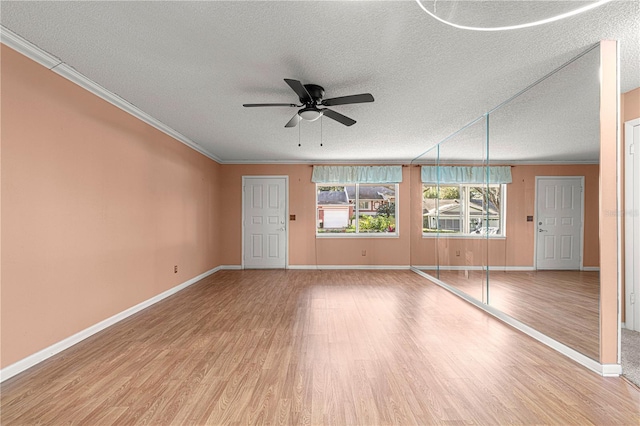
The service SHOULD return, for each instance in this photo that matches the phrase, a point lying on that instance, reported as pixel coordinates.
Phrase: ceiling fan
(310, 96)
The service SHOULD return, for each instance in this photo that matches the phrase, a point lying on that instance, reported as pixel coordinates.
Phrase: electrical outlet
(175, 269)
(364, 252)
(458, 253)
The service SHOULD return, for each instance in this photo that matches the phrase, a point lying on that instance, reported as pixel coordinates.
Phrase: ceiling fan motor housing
(316, 92)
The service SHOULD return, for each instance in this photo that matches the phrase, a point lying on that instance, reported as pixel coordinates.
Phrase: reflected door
(559, 222)
(264, 222)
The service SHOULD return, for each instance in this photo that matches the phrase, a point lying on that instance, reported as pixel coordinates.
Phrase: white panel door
(632, 225)
(264, 222)
(559, 222)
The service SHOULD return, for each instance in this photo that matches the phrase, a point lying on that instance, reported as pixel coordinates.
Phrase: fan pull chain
(321, 117)
(299, 125)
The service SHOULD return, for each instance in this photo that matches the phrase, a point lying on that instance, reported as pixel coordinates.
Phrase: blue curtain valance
(357, 174)
(461, 174)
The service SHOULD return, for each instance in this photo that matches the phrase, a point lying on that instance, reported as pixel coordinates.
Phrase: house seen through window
(469, 209)
(356, 208)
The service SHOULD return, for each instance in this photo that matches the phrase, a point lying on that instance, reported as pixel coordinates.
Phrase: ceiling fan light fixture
(310, 114)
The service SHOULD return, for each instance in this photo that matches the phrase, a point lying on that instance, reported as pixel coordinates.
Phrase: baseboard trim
(36, 358)
(474, 268)
(591, 269)
(607, 370)
(377, 267)
(230, 267)
(611, 370)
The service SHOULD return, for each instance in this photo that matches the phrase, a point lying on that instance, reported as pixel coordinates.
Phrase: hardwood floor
(314, 347)
(564, 305)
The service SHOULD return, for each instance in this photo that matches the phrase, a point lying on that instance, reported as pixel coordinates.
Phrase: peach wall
(304, 248)
(97, 208)
(608, 203)
(517, 249)
(630, 105)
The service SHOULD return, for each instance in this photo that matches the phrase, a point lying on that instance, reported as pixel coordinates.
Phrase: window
(356, 208)
(468, 209)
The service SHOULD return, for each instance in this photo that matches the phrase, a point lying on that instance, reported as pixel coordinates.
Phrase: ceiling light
(310, 114)
(517, 27)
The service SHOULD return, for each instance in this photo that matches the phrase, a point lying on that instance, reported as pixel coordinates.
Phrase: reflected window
(356, 209)
(466, 209)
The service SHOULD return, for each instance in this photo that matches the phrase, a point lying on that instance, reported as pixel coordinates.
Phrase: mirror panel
(458, 211)
(453, 214)
(551, 227)
(486, 239)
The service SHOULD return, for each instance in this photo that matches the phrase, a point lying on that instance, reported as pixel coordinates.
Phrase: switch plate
(529, 218)
(292, 217)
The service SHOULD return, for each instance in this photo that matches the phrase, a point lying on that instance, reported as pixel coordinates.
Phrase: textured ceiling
(191, 65)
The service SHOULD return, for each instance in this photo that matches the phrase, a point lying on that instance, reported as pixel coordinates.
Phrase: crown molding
(30, 50)
(324, 162)
(507, 162)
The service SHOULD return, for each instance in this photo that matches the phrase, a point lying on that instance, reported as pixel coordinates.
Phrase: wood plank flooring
(314, 347)
(564, 305)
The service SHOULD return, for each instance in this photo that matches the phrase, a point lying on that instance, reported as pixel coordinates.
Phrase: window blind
(357, 174)
(462, 174)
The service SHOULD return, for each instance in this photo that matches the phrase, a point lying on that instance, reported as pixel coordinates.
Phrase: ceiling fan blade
(299, 89)
(270, 105)
(338, 117)
(353, 99)
(294, 121)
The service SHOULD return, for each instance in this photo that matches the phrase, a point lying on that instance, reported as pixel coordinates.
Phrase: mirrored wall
(508, 206)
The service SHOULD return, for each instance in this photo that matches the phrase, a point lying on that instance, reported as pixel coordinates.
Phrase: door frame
(286, 214)
(535, 218)
(632, 316)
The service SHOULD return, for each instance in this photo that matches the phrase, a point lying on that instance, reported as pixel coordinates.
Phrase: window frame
(356, 207)
(464, 188)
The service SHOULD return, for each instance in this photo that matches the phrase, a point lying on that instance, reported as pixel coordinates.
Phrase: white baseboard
(611, 370)
(591, 268)
(474, 268)
(320, 267)
(230, 267)
(28, 362)
(608, 370)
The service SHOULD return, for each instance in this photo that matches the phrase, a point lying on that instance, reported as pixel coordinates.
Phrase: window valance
(461, 174)
(357, 174)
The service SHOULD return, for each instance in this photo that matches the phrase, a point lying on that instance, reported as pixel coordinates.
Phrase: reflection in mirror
(424, 252)
(454, 211)
(456, 217)
(545, 272)
(524, 237)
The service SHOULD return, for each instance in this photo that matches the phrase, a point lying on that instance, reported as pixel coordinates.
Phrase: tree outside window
(463, 209)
